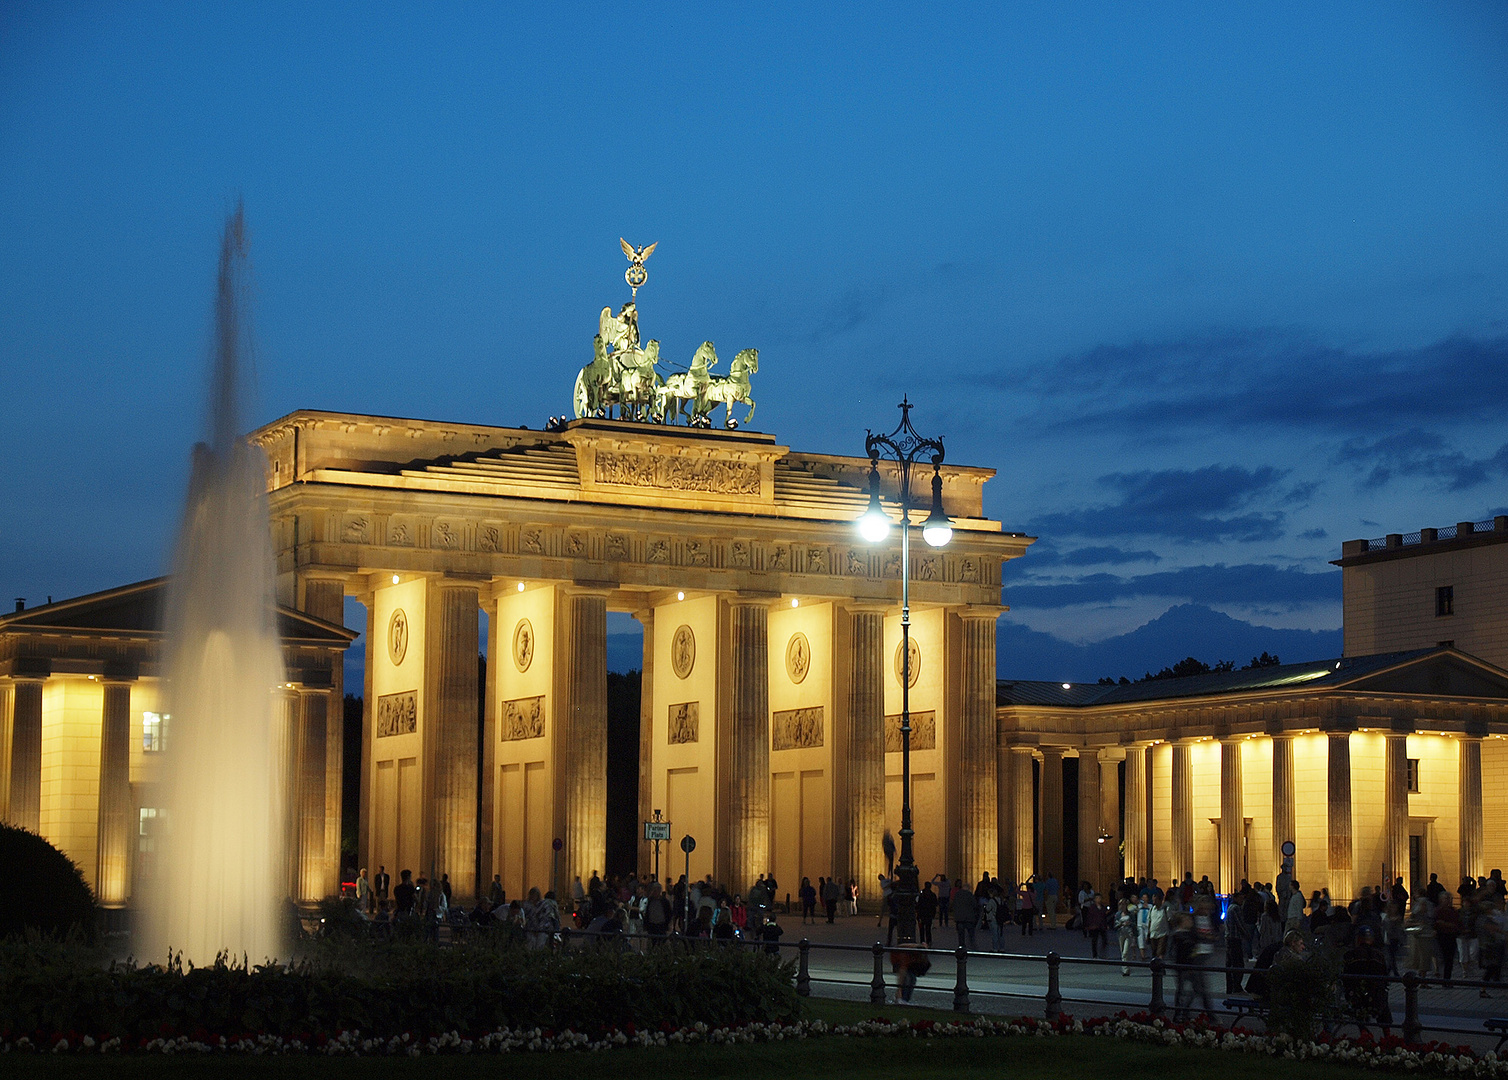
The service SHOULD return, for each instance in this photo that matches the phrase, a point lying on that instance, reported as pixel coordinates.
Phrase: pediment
(1445, 672)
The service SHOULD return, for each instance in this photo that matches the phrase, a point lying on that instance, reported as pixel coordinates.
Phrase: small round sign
(688, 843)
(1288, 849)
(557, 843)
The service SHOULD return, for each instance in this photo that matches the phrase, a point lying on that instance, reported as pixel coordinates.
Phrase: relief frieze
(796, 729)
(923, 732)
(398, 714)
(678, 473)
(522, 718)
(685, 721)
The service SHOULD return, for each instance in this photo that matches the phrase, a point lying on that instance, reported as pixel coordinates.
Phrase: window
(1445, 600)
(153, 731)
(1450, 644)
(146, 829)
(1413, 775)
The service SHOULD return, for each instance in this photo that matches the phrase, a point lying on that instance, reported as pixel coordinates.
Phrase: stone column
(7, 717)
(1182, 809)
(451, 650)
(309, 810)
(113, 850)
(1232, 815)
(646, 742)
(1395, 805)
(1022, 826)
(325, 598)
(1109, 861)
(1052, 811)
(1469, 793)
(26, 756)
(866, 748)
(1284, 815)
(1339, 799)
(976, 733)
(1136, 813)
(584, 735)
(1089, 821)
(748, 787)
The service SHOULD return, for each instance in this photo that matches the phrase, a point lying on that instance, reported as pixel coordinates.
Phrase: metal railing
(1447, 532)
(1051, 996)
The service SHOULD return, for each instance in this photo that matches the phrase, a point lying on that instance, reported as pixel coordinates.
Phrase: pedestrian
(808, 894)
(926, 911)
(944, 890)
(830, 896)
(1126, 930)
(363, 892)
(381, 884)
(965, 917)
(1026, 908)
(1158, 927)
(1447, 929)
(1093, 920)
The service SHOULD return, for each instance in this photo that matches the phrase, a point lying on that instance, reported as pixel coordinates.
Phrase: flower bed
(1389, 1054)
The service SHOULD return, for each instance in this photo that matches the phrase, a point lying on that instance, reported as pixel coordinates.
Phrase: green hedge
(48, 989)
(47, 893)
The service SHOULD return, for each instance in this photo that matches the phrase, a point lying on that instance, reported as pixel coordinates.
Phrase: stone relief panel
(685, 722)
(400, 533)
(446, 534)
(816, 561)
(522, 718)
(617, 546)
(926, 569)
(682, 651)
(739, 553)
(923, 732)
(677, 473)
(575, 544)
(916, 662)
(858, 565)
(968, 571)
(892, 565)
(397, 637)
(698, 553)
(398, 714)
(778, 559)
(531, 541)
(523, 645)
(796, 729)
(658, 551)
(488, 538)
(357, 529)
(798, 657)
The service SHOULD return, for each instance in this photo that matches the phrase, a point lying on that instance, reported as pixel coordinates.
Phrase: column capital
(991, 612)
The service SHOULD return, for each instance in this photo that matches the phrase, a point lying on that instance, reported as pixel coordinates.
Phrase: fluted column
(1232, 816)
(749, 743)
(979, 845)
(26, 756)
(583, 738)
(866, 749)
(1339, 800)
(1089, 820)
(325, 598)
(1395, 806)
(646, 741)
(1108, 858)
(1181, 807)
(113, 850)
(1022, 825)
(452, 648)
(1136, 813)
(309, 811)
(1052, 811)
(1284, 815)
(1470, 797)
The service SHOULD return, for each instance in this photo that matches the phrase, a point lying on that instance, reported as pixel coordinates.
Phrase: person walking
(830, 896)
(381, 885)
(926, 911)
(965, 917)
(1447, 930)
(1126, 930)
(1157, 927)
(1026, 908)
(944, 890)
(808, 894)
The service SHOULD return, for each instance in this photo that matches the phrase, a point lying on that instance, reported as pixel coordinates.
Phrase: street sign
(657, 830)
(1288, 849)
(688, 844)
(557, 843)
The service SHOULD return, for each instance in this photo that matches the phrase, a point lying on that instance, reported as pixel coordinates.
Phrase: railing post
(1157, 1006)
(961, 984)
(1054, 997)
(1412, 1029)
(877, 984)
(803, 973)
(565, 939)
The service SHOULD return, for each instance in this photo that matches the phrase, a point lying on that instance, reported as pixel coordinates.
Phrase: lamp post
(905, 446)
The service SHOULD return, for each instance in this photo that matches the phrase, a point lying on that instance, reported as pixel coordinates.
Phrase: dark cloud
(1274, 587)
(1420, 453)
(1313, 534)
(1210, 504)
(1264, 378)
(1100, 556)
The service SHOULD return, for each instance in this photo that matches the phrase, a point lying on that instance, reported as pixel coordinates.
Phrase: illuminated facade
(82, 726)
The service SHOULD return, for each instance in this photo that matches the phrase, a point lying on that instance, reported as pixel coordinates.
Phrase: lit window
(146, 829)
(1445, 600)
(153, 731)
(1413, 775)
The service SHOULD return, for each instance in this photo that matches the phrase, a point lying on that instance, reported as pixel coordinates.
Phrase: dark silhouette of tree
(1265, 660)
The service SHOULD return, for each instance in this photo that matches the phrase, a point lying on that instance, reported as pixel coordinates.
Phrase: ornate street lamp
(905, 446)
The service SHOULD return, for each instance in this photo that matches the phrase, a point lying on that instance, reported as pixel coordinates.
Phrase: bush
(1302, 995)
(387, 990)
(48, 895)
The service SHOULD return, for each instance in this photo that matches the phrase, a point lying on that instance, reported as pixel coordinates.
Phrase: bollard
(1412, 1029)
(1157, 1006)
(1054, 997)
(803, 973)
(961, 984)
(877, 984)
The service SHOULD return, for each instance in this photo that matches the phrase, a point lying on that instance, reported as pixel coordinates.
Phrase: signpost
(556, 844)
(688, 845)
(657, 831)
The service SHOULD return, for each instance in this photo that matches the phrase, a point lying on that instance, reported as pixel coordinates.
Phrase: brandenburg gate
(771, 687)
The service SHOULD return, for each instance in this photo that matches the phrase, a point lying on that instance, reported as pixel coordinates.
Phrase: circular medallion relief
(682, 651)
(523, 645)
(798, 657)
(916, 663)
(397, 637)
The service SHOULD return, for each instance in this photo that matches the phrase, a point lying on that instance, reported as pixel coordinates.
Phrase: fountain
(221, 876)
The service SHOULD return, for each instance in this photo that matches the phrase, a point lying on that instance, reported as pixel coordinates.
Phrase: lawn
(1068, 1057)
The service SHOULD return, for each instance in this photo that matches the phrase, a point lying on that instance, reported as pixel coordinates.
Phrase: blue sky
(1213, 289)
